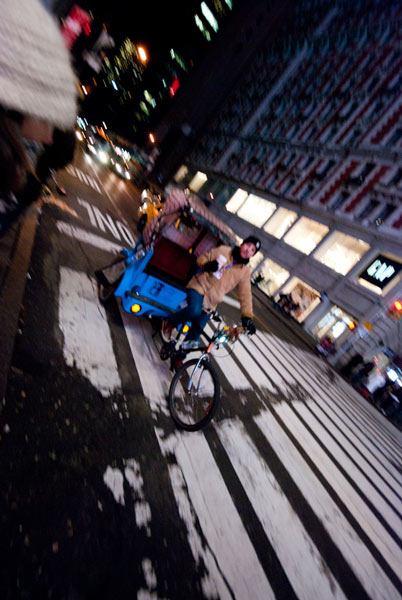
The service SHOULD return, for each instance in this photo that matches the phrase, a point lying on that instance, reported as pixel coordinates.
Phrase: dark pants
(192, 312)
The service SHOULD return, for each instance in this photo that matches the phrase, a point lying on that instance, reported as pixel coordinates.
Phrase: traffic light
(395, 310)
(352, 325)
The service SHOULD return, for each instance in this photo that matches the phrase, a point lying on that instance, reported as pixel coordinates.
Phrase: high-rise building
(305, 151)
(133, 91)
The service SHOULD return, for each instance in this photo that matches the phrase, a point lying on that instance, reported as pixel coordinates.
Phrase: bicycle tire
(180, 399)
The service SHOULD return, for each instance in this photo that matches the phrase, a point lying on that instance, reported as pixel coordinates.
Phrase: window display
(303, 297)
(273, 276)
(197, 182)
(334, 323)
(341, 252)
(306, 234)
(236, 201)
(280, 222)
(256, 210)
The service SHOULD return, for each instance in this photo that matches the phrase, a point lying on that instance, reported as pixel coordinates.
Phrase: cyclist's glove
(211, 267)
(248, 325)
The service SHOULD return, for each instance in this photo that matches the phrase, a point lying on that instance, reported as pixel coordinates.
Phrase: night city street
(200, 300)
(293, 492)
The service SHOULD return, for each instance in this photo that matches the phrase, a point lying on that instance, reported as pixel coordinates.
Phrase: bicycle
(194, 393)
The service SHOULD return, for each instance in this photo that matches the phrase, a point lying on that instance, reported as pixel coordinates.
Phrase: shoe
(166, 330)
(190, 345)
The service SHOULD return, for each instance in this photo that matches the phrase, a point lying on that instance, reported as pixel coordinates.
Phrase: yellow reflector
(136, 308)
(186, 328)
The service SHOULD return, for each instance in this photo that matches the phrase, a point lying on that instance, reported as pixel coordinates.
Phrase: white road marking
(87, 341)
(204, 500)
(370, 574)
(231, 301)
(296, 551)
(113, 479)
(229, 367)
(363, 515)
(82, 235)
(84, 177)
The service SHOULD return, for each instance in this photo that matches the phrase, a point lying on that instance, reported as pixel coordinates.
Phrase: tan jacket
(234, 276)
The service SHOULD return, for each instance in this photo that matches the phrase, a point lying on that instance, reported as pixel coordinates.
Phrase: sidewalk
(15, 256)
(288, 322)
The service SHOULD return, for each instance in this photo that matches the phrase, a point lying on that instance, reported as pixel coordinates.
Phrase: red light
(174, 87)
(397, 305)
(87, 29)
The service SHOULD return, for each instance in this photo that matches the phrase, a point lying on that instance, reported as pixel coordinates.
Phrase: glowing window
(305, 235)
(256, 210)
(280, 222)
(236, 201)
(273, 276)
(341, 252)
(197, 181)
(206, 11)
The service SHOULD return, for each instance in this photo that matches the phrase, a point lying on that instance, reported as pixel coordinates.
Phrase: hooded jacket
(233, 276)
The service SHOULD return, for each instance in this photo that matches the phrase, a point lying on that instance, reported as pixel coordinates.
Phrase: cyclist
(221, 270)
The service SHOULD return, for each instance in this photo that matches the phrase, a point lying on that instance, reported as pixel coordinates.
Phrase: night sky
(155, 24)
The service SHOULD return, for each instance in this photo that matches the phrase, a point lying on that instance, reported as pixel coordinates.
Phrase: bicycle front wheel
(194, 395)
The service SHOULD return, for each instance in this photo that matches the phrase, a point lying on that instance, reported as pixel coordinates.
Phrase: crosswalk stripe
(227, 364)
(360, 434)
(87, 342)
(200, 490)
(345, 537)
(357, 506)
(299, 558)
(358, 405)
(329, 414)
(350, 482)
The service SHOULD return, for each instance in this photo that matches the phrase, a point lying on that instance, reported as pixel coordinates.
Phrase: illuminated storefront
(274, 276)
(333, 324)
(303, 295)
(341, 252)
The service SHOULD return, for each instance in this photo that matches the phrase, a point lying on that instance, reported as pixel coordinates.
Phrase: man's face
(247, 250)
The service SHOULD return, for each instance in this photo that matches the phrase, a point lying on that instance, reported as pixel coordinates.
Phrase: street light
(142, 54)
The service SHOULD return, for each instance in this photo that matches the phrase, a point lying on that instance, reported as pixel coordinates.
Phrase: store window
(236, 200)
(341, 252)
(256, 210)
(305, 235)
(197, 182)
(303, 298)
(280, 222)
(181, 173)
(273, 276)
(333, 324)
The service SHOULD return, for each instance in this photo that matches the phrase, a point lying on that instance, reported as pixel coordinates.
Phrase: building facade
(306, 153)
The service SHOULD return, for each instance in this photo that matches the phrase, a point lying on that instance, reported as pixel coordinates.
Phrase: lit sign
(381, 271)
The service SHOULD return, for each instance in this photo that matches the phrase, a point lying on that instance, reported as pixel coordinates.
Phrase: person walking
(37, 93)
(222, 269)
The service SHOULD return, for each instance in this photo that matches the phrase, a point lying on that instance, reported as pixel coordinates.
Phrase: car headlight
(102, 156)
(128, 176)
(118, 168)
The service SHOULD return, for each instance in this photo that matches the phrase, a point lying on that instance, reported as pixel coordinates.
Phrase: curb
(13, 287)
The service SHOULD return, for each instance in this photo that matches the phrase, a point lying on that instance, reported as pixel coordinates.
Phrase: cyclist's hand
(211, 267)
(248, 325)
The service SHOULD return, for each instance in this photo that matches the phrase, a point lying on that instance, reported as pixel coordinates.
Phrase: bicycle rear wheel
(194, 395)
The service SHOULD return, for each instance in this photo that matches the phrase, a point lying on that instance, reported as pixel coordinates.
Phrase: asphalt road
(294, 491)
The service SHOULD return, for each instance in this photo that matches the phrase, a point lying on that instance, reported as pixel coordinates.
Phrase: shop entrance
(302, 297)
(334, 323)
